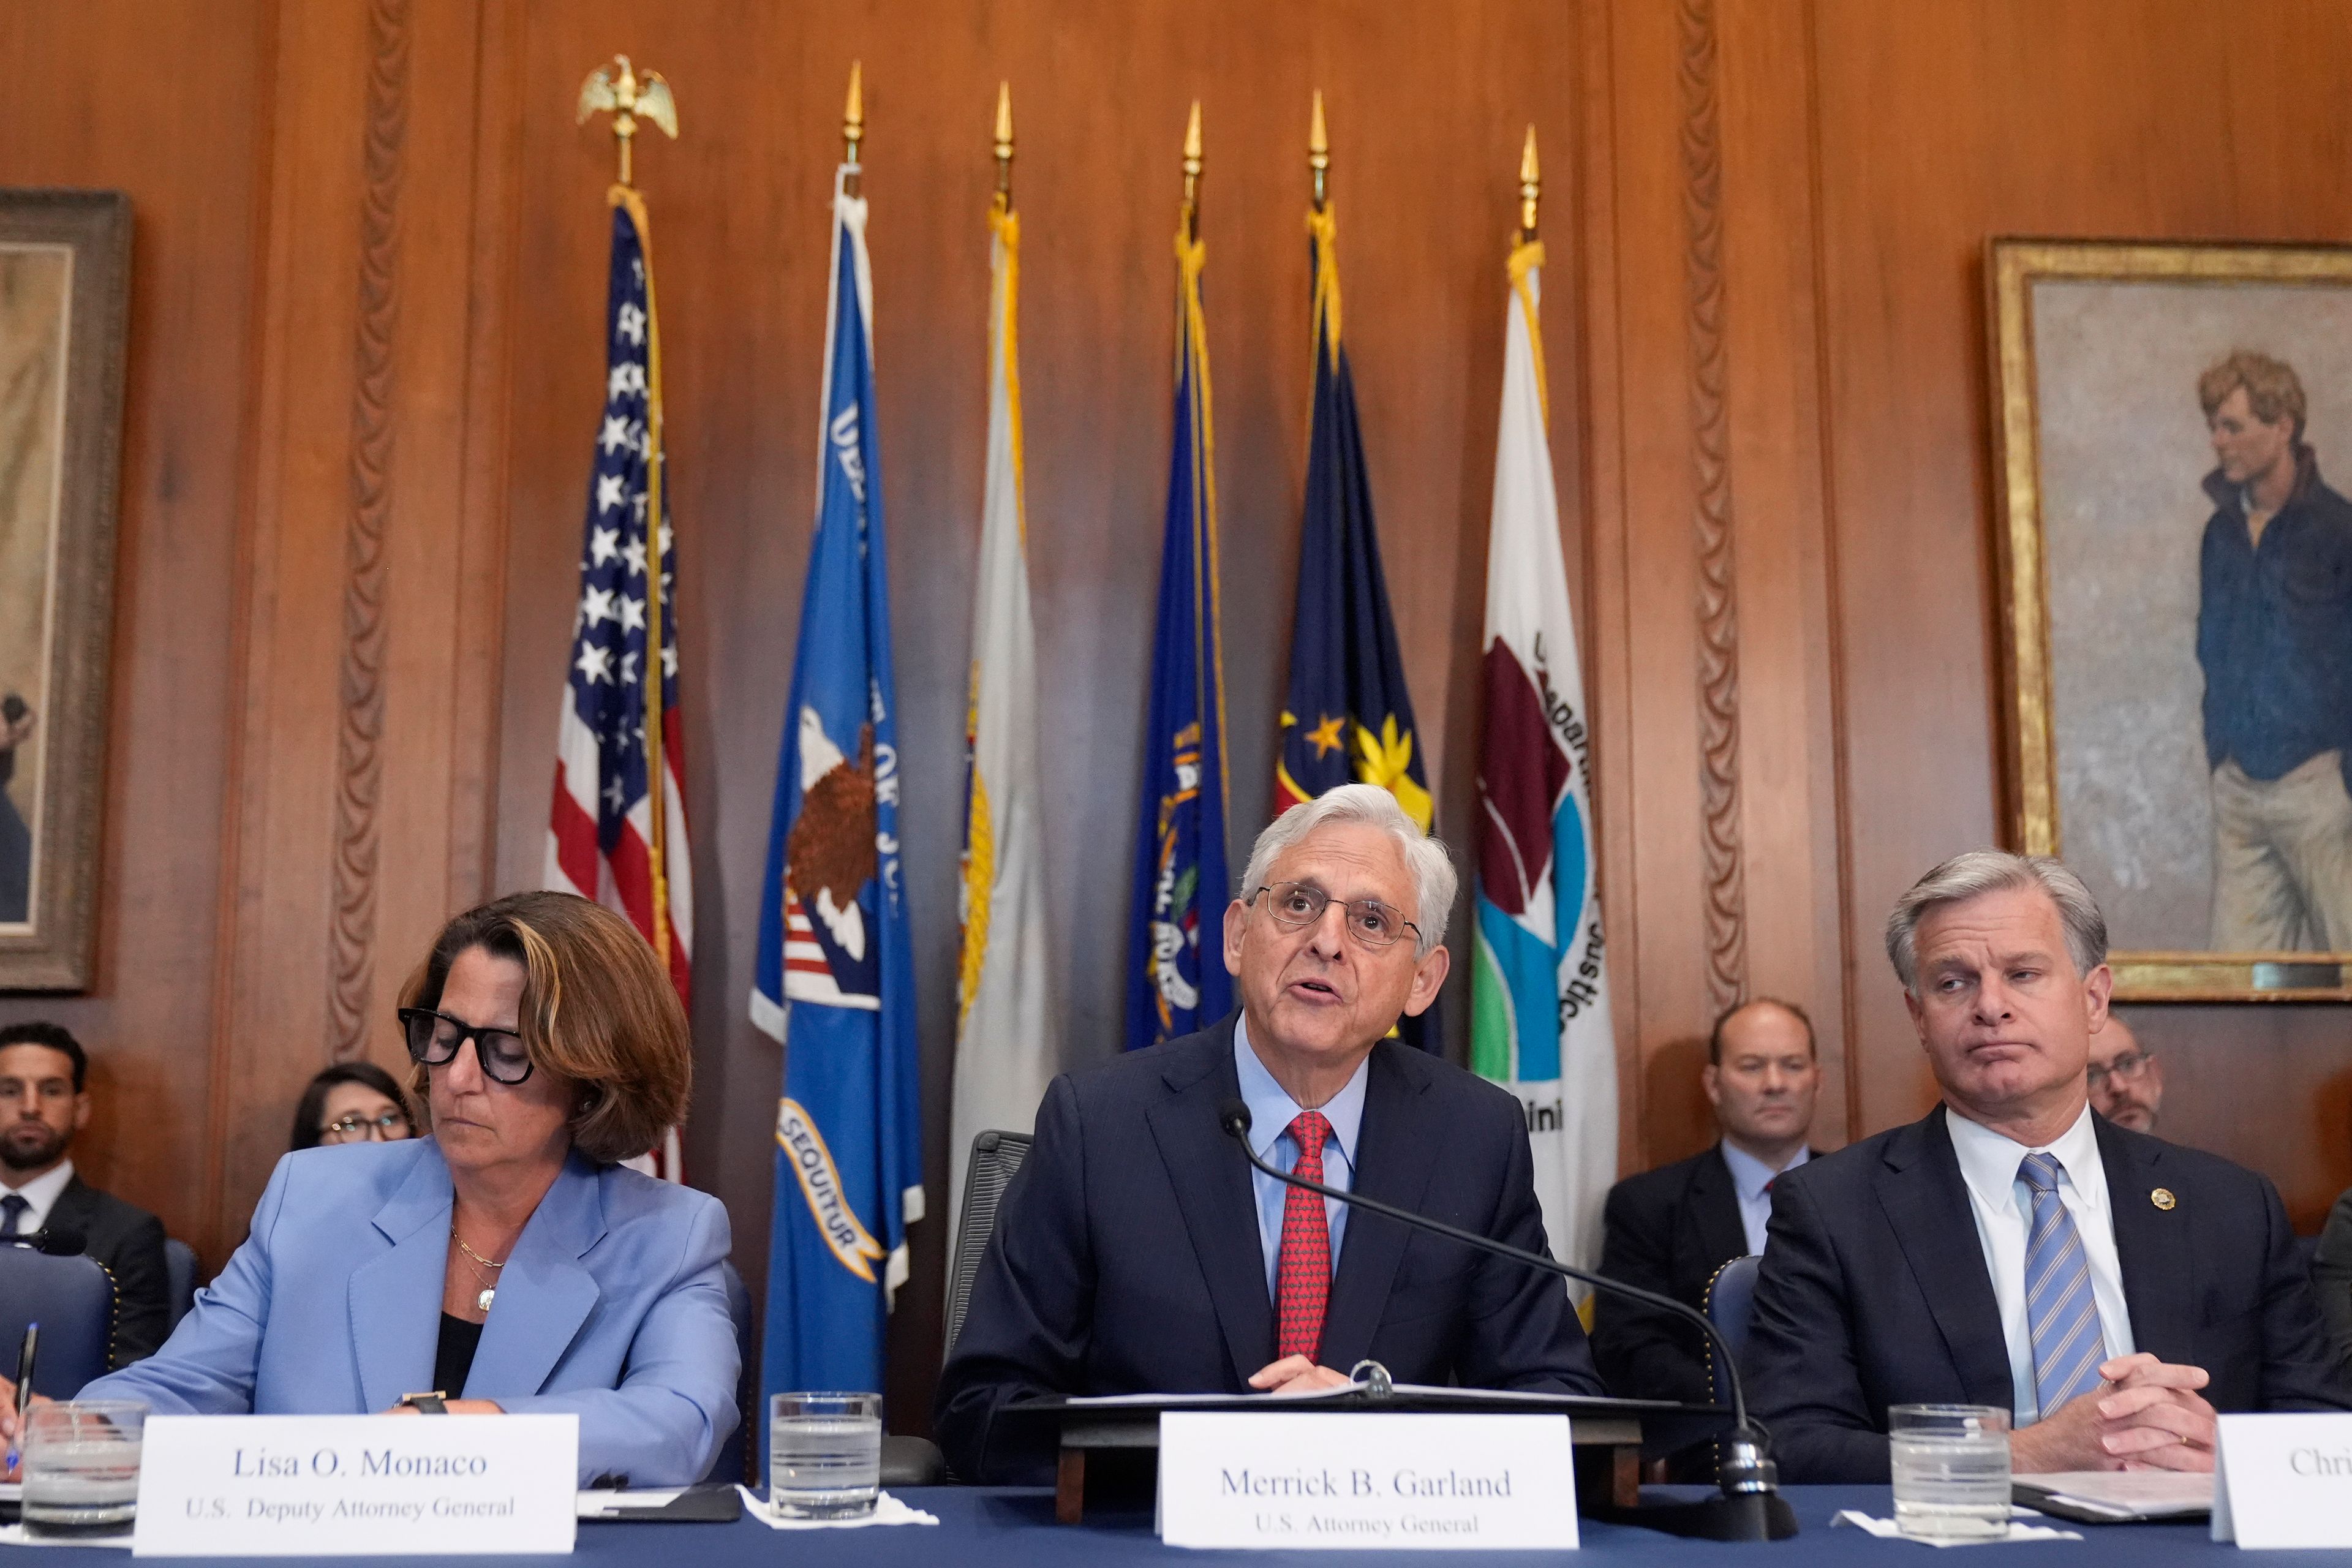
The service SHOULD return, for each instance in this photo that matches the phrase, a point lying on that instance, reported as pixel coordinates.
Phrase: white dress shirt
(41, 1193)
(2003, 1206)
(1271, 1111)
(1752, 1180)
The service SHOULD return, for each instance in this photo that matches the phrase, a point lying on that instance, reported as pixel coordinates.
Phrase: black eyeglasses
(2125, 1067)
(374, 1129)
(434, 1039)
(1369, 922)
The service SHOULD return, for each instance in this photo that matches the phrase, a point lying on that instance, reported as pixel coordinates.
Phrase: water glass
(824, 1454)
(81, 1467)
(1951, 1470)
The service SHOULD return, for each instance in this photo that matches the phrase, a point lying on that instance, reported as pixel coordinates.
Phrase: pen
(23, 1391)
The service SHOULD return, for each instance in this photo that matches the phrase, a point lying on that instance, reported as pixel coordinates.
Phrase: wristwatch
(434, 1404)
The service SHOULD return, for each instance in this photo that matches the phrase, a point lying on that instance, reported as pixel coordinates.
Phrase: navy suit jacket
(612, 1305)
(1874, 1291)
(1126, 1257)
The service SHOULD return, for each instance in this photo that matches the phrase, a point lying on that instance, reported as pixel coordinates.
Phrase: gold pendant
(484, 1298)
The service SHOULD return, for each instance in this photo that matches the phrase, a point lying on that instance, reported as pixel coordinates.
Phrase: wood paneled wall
(365, 340)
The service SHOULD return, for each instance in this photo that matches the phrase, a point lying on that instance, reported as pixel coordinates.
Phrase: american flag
(600, 842)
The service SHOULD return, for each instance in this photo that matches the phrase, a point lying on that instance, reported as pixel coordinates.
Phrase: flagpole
(1526, 259)
(853, 130)
(629, 97)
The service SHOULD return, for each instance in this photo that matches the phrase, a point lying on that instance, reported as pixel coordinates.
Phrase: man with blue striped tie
(2014, 1248)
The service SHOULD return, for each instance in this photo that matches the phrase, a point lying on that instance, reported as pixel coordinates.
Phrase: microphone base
(1738, 1516)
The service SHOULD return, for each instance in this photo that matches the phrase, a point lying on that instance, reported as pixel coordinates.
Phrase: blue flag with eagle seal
(1176, 979)
(835, 982)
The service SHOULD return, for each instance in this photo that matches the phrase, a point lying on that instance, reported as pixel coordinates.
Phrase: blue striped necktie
(2068, 1347)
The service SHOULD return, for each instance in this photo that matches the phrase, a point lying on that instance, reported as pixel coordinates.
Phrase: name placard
(357, 1486)
(2283, 1481)
(1342, 1480)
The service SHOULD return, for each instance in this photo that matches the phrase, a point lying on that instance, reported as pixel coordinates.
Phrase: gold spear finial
(1192, 173)
(853, 124)
(1318, 150)
(1530, 190)
(628, 98)
(1004, 142)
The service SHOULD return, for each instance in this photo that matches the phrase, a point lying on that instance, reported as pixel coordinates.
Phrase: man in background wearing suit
(1137, 1252)
(44, 1102)
(1670, 1229)
(2120, 1290)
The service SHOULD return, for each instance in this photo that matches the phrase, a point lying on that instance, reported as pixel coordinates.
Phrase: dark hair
(314, 1099)
(596, 1009)
(56, 1037)
(1715, 1035)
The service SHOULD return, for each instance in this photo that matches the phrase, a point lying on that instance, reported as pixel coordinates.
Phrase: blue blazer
(1126, 1257)
(1874, 1291)
(612, 1305)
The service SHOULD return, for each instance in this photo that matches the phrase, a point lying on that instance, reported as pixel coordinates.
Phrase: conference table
(988, 1527)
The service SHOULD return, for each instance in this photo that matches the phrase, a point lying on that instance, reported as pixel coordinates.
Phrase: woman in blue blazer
(507, 1263)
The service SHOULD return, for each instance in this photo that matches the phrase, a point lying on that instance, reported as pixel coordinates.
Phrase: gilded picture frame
(64, 272)
(2138, 610)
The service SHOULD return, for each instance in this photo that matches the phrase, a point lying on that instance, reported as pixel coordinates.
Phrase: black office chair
(180, 1270)
(73, 1300)
(995, 1156)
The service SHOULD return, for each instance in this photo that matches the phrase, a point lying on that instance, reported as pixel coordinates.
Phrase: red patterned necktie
(1302, 1278)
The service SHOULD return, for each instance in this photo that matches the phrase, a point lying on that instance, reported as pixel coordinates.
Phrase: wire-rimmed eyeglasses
(1369, 922)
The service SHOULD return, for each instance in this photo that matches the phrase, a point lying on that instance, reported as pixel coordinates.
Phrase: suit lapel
(1212, 1183)
(1394, 1160)
(76, 1206)
(396, 1296)
(1715, 1209)
(543, 1293)
(1926, 1202)
(2151, 1246)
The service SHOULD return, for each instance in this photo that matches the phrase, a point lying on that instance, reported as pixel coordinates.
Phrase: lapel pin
(2162, 1198)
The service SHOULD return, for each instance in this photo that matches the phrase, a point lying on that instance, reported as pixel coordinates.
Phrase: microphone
(57, 1240)
(1750, 1507)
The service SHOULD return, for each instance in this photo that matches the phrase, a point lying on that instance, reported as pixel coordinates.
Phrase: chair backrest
(73, 1300)
(180, 1269)
(1730, 1300)
(734, 1454)
(994, 1157)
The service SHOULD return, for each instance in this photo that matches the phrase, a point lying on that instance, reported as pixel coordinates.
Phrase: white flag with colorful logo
(1540, 994)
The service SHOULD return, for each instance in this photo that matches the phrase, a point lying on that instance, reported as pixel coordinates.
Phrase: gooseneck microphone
(1750, 1507)
(58, 1240)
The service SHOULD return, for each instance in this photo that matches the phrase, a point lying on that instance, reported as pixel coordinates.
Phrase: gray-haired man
(2122, 1289)
(1137, 1252)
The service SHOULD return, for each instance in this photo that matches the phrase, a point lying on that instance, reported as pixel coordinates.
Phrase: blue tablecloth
(985, 1527)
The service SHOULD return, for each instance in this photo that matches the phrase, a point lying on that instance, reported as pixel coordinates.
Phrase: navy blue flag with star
(1347, 718)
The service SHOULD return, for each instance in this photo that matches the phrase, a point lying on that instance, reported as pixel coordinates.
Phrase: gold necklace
(490, 1291)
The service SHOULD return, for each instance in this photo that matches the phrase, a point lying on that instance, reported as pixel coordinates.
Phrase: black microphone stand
(1749, 1506)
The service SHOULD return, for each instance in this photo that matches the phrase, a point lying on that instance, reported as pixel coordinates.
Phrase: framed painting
(2174, 423)
(65, 260)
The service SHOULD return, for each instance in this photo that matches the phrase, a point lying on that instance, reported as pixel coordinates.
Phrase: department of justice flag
(1176, 971)
(835, 979)
(1539, 993)
(601, 842)
(1006, 1047)
(1347, 717)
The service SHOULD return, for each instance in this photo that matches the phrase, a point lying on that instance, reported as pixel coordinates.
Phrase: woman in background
(507, 1263)
(351, 1102)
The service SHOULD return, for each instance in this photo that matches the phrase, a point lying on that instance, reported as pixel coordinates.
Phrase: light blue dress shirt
(1271, 1112)
(1750, 1178)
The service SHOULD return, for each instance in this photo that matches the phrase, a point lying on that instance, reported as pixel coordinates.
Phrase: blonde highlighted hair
(596, 1010)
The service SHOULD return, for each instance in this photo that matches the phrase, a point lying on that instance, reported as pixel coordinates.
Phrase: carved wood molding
(359, 773)
(1718, 626)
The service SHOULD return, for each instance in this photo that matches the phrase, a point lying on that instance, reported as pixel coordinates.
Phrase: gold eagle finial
(628, 97)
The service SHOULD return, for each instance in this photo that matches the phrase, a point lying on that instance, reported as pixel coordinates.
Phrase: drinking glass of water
(824, 1454)
(1951, 1470)
(81, 1467)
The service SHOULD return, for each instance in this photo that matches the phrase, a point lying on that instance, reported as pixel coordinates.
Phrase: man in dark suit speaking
(2111, 1291)
(1137, 1252)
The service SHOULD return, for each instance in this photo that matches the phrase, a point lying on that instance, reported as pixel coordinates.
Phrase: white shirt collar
(1751, 1175)
(1989, 1160)
(1272, 1110)
(41, 1193)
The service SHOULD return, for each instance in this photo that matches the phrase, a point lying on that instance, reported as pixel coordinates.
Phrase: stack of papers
(2120, 1496)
